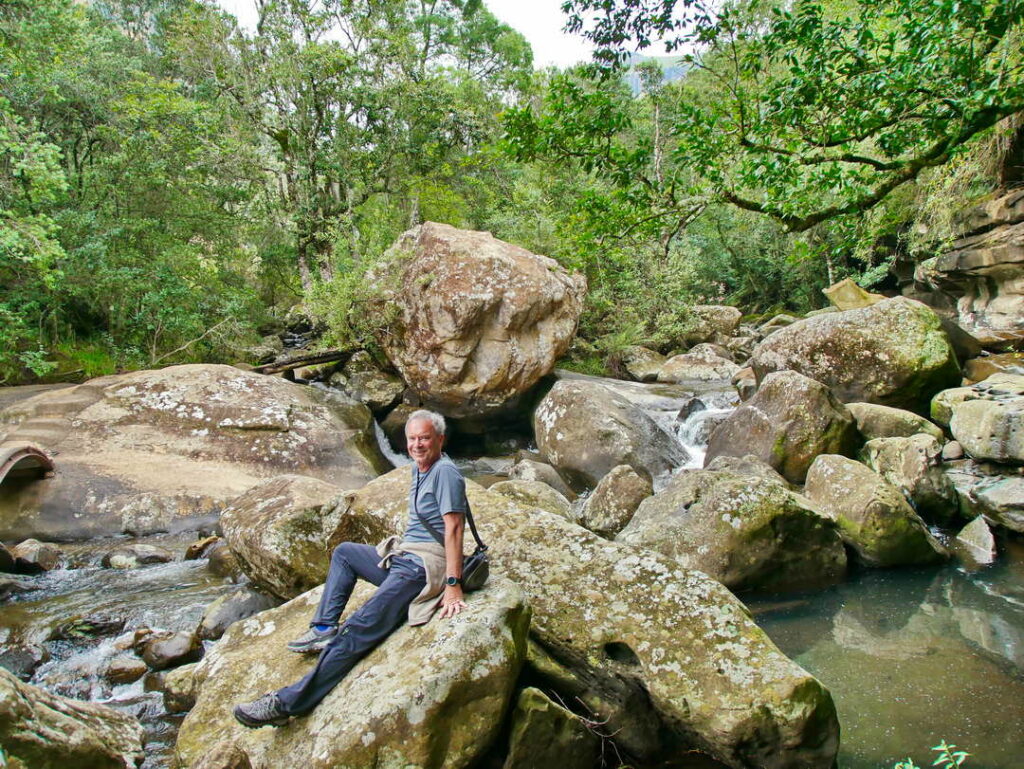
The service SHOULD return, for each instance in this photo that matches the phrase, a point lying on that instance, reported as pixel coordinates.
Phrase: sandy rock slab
(429, 696)
(668, 656)
(165, 450)
(40, 730)
(479, 321)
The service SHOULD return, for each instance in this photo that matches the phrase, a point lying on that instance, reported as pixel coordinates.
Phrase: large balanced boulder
(283, 531)
(669, 657)
(873, 517)
(166, 450)
(747, 532)
(787, 423)
(474, 322)
(431, 696)
(585, 429)
(40, 730)
(913, 465)
(894, 353)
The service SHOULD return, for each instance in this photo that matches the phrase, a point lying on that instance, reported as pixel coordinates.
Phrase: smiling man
(415, 575)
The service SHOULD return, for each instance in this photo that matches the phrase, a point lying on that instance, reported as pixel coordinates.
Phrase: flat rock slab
(429, 696)
(165, 450)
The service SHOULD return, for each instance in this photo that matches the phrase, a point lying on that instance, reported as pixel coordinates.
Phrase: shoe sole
(308, 649)
(252, 723)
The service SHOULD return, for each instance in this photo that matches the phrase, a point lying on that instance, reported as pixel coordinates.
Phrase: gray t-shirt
(442, 489)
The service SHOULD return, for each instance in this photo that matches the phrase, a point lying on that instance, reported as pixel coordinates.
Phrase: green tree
(803, 112)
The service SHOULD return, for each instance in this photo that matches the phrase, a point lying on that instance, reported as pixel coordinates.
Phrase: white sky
(540, 22)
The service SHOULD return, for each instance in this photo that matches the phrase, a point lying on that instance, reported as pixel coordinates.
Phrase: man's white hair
(431, 416)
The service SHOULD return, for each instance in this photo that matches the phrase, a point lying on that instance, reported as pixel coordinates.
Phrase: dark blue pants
(364, 629)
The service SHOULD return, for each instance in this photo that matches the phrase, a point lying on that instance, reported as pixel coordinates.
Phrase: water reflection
(915, 656)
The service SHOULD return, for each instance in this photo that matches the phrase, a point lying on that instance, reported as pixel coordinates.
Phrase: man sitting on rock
(411, 573)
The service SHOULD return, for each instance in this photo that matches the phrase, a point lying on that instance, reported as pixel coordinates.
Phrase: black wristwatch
(453, 580)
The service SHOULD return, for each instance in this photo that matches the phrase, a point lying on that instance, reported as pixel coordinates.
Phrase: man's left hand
(452, 602)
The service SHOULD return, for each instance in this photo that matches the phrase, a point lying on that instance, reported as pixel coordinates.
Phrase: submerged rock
(873, 517)
(894, 353)
(165, 450)
(430, 696)
(44, 731)
(135, 555)
(586, 429)
(668, 656)
(747, 532)
(477, 321)
(787, 423)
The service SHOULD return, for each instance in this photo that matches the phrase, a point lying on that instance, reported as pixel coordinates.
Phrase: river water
(911, 656)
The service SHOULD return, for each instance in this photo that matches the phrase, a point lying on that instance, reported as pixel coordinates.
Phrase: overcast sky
(540, 21)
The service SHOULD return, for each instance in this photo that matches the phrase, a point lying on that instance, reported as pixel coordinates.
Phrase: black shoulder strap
(433, 532)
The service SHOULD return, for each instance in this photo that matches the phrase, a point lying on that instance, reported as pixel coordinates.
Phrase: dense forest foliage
(172, 186)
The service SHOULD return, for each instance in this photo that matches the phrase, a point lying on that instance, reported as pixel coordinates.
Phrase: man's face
(423, 442)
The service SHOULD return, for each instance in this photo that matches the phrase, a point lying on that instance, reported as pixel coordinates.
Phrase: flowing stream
(911, 656)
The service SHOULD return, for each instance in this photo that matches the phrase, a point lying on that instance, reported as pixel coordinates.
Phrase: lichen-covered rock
(534, 494)
(585, 429)
(284, 530)
(642, 364)
(532, 470)
(747, 532)
(667, 655)
(165, 450)
(230, 608)
(612, 504)
(430, 696)
(179, 688)
(476, 321)
(697, 365)
(894, 353)
(787, 423)
(873, 517)
(46, 731)
(875, 421)
(913, 465)
(363, 381)
(711, 323)
(134, 555)
(545, 734)
(988, 419)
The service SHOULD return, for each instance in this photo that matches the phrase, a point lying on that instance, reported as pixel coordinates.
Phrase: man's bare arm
(454, 528)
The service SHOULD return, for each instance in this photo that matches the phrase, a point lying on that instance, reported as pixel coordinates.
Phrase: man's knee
(343, 552)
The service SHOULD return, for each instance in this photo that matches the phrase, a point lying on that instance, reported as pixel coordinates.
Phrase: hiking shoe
(266, 710)
(313, 641)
